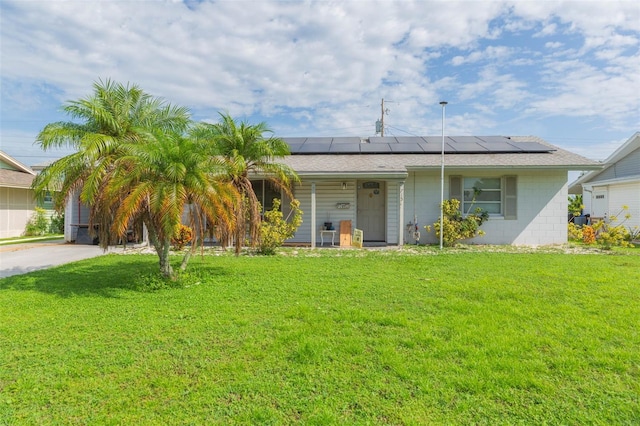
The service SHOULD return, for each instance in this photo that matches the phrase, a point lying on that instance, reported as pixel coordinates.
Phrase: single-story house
(390, 187)
(17, 203)
(616, 184)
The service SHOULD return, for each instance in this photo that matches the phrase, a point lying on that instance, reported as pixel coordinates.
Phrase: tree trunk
(163, 256)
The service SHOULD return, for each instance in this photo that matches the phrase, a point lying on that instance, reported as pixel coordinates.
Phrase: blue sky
(563, 71)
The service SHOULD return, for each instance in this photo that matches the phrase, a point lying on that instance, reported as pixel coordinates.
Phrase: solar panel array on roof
(413, 145)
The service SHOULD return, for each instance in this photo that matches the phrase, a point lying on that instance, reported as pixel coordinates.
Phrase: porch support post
(313, 215)
(401, 214)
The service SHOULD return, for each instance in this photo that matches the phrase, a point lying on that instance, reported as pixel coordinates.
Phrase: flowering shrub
(275, 229)
(604, 233)
(588, 234)
(181, 237)
(575, 232)
(455, 226)
(608, 236)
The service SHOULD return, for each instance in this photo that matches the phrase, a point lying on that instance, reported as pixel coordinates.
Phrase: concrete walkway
(21, 258)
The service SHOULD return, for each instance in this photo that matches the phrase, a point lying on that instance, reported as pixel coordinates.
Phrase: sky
(567, 72)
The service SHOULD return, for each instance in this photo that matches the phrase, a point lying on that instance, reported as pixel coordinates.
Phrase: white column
(401, 214)
(313, 215)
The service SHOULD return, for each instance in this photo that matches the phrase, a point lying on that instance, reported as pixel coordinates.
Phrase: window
(496, 195)
(265, 193)
(48, 198)
(484, 193)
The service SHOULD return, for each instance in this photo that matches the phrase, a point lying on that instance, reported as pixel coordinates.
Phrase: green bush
(57, 224)
(456, 226)
(38, 223)
(275, 229)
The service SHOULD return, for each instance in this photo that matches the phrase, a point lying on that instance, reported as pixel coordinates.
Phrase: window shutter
(455, 189)
(510, 198)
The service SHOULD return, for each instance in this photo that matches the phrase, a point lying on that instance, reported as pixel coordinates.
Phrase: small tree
(456, 226)
(275, 229)
(575, 206)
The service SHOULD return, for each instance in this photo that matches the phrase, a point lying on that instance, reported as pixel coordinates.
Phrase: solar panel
(378, 148)
(406, 148)
(412, 144)
(345, 148)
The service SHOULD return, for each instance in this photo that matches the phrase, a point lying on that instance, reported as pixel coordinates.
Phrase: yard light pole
(443, 103)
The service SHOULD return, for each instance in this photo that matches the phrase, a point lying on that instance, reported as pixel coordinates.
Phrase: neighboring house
(17, 203)
(617, 184)
(385, 185)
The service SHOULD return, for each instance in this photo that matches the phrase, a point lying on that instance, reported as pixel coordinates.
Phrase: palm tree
(161, 176)
(249, 152)
(114, 115)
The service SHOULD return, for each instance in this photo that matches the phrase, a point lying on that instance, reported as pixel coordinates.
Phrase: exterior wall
(541, 207)
(75, 214)
(619, 195)
(625, 167)
(328, 195)
(18, 206)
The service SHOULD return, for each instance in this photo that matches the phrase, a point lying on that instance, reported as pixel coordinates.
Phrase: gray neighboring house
(616, 184)
(386, 185)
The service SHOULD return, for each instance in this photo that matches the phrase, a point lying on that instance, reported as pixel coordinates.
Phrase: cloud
(324, 66)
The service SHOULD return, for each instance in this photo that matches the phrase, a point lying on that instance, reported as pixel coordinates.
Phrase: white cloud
(317, 66)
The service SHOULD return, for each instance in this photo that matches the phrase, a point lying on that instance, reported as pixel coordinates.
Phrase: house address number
(343, 205)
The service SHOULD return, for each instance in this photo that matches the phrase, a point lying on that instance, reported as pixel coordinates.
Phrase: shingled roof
(14, 174)
(526, 152)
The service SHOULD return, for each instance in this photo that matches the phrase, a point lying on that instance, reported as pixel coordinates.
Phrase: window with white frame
(484, 193)
(496, 195)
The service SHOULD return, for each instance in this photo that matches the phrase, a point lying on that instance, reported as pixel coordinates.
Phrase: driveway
(18, 259)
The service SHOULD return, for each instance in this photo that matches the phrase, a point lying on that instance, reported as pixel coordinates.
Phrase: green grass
(23, 239)
(329, 337)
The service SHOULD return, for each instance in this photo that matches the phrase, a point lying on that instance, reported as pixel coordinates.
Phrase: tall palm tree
(161, 176)
(249, 151)
(114, 115)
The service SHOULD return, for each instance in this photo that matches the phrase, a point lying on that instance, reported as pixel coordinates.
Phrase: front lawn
(326, 337)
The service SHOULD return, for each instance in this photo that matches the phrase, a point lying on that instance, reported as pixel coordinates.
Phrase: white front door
(371, 210)
(599, 203)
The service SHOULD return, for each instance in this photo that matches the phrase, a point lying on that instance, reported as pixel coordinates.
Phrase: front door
(371, 210)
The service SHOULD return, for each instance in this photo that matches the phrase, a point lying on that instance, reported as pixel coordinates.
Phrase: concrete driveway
(18, 259)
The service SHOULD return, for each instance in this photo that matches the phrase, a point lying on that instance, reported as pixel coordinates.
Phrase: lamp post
(443, 103)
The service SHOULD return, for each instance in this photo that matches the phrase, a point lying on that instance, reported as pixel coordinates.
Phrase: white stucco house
(616, 184)
(17, 203)
(390, 187)
(385, 185)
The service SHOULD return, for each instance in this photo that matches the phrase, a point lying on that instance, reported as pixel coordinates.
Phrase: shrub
(588, 234)
(181, 237)
(57, 224)
(456, 227)
(608, 236)
(575, 232)
(275, 229)
(38, 223)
